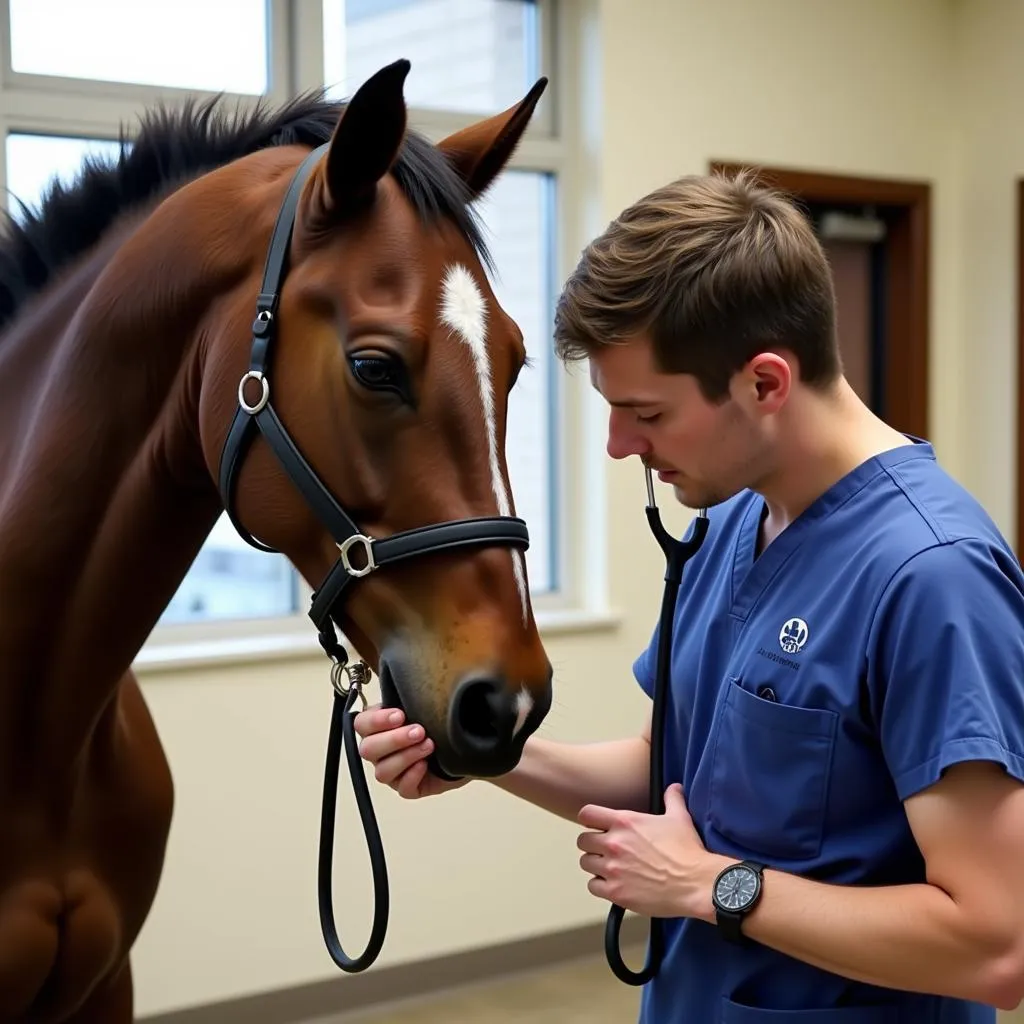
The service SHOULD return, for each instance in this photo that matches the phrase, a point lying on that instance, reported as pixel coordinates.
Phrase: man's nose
(622, 440)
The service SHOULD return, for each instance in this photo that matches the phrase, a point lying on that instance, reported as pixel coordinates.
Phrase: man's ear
(770, 379)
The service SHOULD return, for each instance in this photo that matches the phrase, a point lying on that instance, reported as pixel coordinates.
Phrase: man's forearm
(562, 777)
(910, 937)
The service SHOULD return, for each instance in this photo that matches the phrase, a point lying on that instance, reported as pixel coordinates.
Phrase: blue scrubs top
(877, 640)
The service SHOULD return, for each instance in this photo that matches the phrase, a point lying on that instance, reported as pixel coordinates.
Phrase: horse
(281, 314)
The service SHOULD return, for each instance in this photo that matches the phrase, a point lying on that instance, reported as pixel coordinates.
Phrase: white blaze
(463, 309)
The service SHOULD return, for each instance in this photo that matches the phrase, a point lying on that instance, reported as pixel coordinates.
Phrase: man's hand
(398, 753)
(652, 864)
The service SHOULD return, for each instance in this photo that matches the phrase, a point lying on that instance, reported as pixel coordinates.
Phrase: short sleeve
(644, 667)
(946, 663)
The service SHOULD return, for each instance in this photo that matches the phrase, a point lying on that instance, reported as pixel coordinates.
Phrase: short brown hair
(714, 269)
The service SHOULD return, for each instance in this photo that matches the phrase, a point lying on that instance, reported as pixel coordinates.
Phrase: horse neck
(105, 499)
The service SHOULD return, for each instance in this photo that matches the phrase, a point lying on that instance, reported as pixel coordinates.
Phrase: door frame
(907, 208)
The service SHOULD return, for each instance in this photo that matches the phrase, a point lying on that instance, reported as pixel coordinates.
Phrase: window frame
(554, 143)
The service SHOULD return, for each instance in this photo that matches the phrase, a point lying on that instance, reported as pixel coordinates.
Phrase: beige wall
(862, 88)
(990, 38)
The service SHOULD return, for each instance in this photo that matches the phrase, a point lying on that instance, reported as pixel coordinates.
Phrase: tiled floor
(582, 992)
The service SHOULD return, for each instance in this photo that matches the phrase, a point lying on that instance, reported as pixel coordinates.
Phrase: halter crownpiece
(324, 611)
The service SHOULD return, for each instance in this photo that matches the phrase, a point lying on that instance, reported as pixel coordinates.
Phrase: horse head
(377, 363)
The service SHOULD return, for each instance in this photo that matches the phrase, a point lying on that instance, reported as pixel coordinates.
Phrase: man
(847, 694)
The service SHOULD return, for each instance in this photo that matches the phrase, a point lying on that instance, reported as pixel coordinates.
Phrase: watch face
(736, 888)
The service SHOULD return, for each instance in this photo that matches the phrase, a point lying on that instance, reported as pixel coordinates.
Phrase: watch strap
(730, 924)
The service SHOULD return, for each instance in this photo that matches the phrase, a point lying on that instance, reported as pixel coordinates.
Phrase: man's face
(707, 451)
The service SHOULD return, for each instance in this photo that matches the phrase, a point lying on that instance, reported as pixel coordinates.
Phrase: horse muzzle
(480, 728)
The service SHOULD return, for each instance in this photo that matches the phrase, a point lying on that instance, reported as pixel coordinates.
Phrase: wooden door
(856, 303)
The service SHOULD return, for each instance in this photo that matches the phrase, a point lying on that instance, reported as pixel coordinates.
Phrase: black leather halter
(260, 415)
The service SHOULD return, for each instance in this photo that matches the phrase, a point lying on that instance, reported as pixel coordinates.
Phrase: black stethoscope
(677, 554)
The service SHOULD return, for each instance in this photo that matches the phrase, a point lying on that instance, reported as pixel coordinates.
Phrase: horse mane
(172, 147)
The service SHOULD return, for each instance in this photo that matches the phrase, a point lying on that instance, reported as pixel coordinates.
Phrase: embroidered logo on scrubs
(793, 636)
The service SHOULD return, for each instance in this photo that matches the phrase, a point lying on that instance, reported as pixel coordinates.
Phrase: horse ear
(480, 151)
(368, 137)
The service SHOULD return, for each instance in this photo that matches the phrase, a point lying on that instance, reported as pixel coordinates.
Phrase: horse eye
(378, 372)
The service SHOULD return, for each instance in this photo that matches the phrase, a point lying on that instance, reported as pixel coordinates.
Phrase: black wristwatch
(734, 895)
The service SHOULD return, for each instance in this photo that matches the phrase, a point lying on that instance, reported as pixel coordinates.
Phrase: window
(476, 56)
(229, 579)
(471, 58)
(68, 94)
(519, 216)
(33, 161)
(144, 42)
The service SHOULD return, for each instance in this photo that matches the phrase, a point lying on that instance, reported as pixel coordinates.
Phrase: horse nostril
(480, 715)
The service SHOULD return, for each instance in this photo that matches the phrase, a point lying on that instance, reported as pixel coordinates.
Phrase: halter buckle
(264, 395)
(367, 545)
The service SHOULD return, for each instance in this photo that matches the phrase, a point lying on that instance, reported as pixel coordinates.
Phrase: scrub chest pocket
(770, 771)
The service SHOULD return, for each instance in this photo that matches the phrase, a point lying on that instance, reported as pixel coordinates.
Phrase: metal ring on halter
(264, 396)
(358, 676)
(367, 544)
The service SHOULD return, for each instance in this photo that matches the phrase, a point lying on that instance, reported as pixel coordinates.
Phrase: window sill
(223, 652)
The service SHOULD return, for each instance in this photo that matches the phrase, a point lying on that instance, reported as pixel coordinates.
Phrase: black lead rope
(343, 732)
(677, 554)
